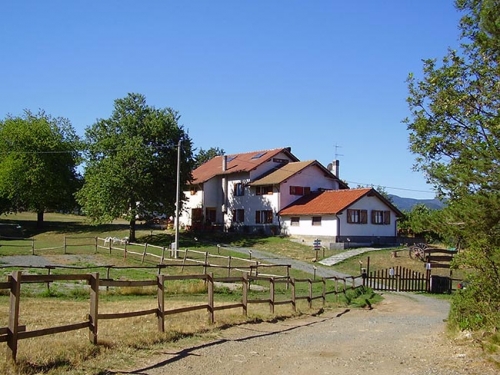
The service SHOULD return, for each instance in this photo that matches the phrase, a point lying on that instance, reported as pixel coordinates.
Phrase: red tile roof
(329, 202)
(244, 162)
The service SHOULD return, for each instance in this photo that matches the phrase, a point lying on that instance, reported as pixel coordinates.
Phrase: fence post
(229, 266)
(206, 261)
(271, 295)
(13, 329)
(288, 276)
(210, 287)
(162, 254)
(144, 253)
(33, 246)
(94, 307)
(244, 294)
(161, 302)
(294, 300)
(96, 243)
(336, 289)
(109, 244)
(310, 298)
(64, 244)
(184, 260)
(323, 294)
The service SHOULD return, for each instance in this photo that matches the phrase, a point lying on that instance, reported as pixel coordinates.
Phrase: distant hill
(406, 204)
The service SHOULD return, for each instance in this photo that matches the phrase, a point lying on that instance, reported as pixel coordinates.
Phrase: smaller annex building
(349, 216)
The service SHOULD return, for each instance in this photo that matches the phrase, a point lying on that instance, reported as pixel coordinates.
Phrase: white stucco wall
(328, 226)
(369, 229)
(312, 177)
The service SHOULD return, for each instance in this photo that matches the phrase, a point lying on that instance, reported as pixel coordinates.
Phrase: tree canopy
(39, 156)
(455, 132)
(131, 163)
(205, 155)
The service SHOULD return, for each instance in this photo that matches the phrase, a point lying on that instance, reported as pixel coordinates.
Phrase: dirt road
(402, 335)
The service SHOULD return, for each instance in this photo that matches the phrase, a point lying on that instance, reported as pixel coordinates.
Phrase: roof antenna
(336, 151)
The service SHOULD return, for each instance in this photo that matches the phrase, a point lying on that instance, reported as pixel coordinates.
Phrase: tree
(38, 160)
(205, 155)
(455, 133)
(131, 168)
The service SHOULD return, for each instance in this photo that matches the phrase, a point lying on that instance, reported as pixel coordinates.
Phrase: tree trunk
(39, 219)
(131, 233)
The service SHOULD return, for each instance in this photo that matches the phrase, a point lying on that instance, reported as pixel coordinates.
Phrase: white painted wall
(369, 229)
(328, 226)
(311, 176)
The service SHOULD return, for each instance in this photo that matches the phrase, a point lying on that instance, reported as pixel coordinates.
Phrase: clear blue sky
(245, 75)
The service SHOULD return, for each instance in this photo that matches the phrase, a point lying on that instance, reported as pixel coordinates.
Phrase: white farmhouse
(262, 191)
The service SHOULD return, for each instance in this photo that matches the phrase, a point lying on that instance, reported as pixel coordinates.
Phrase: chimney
(334, 168)
(224, 163)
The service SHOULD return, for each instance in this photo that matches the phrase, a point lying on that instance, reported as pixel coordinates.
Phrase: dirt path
(402, 335)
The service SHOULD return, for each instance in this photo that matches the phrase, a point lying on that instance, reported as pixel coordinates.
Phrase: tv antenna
(337, 151)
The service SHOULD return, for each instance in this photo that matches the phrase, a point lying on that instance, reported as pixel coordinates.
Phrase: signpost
(316, 247)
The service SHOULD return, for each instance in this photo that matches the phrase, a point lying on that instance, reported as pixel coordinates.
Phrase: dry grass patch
(122, 343)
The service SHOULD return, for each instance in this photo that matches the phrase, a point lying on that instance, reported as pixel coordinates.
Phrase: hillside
(406, 204)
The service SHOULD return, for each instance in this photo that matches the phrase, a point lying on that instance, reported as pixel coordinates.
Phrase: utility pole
(177, 200)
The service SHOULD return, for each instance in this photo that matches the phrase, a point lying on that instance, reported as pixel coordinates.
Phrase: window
(300, 190)
(264, 217)
(259, 155)
(196, 215)
(211, 215)
(316, 220)
(263, 190)
(357, 216)
(239, 189)
(381, 217)
(239, 215)
(294, 221)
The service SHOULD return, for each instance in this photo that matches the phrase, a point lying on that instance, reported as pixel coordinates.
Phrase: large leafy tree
(131, 168)
(455, 133)
(38, 163)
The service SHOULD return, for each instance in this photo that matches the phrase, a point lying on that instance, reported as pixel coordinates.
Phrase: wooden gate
(398, 279)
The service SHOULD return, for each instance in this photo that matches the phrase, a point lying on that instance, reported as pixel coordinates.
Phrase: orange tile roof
(329, 202)
(243, 162)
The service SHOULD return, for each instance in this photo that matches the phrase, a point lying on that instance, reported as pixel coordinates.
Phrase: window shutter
(374, 213)
(257, 217)
(349, 216)
(307, 190)
(364, 216)
(387, 217)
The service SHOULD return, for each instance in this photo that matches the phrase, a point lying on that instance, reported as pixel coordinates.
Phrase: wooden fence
(398, 279)
(161, 254)
(15, 332)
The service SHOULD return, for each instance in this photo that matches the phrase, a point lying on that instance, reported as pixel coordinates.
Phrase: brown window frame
(264, 217)
(238, 215)
(355, 216)
(239, 189)
(316, 221)
(381, 217)
(295, 221)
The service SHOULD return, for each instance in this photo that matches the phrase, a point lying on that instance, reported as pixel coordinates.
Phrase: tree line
(129, 162)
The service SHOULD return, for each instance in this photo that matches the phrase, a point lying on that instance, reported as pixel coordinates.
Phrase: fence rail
(15, 332)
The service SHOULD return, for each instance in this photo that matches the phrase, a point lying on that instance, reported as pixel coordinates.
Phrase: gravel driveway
(402, 335)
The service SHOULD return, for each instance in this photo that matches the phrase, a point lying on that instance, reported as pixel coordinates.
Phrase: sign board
(317, 244)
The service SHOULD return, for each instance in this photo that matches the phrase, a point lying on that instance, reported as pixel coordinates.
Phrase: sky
(324, 77)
